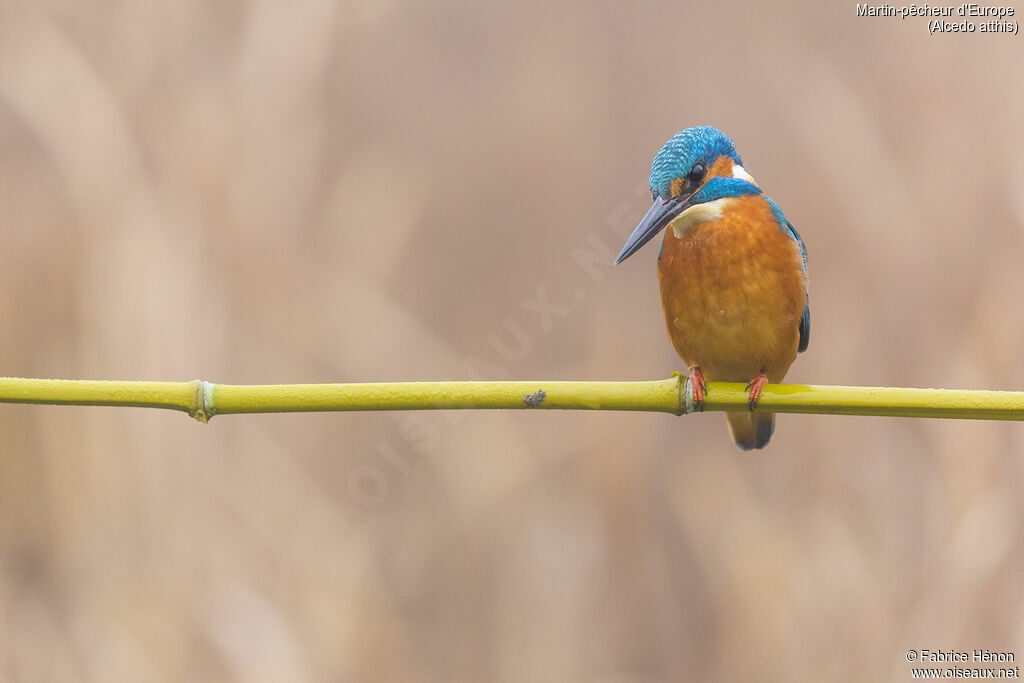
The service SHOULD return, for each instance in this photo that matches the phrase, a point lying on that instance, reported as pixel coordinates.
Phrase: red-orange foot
(755, 387)
(700, 388)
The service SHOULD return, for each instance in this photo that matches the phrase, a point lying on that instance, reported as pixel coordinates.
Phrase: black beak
(661, 213)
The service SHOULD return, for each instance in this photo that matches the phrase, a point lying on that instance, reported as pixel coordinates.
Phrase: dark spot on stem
(535, 399)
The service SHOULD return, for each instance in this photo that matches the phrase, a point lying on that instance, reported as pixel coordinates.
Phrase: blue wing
(805, 321)
(787, 227)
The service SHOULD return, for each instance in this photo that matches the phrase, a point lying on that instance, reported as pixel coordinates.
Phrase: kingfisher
(732, 271)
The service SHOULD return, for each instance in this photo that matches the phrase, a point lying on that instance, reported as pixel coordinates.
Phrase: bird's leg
(700, 388)
(755, 387)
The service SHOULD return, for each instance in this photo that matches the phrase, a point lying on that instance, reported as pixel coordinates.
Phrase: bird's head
(698, 165)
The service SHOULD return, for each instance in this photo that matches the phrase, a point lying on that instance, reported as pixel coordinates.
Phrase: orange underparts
(733, 292)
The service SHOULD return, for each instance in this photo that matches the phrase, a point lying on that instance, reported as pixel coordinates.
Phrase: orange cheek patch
(721, 168)
(675, 188)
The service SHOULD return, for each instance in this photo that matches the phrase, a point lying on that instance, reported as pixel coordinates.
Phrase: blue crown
(701, 144)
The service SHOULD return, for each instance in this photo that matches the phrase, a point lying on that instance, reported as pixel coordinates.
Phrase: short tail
(751, 430)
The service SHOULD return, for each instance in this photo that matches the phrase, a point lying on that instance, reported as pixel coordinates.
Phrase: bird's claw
(754, 387)
(700, 389)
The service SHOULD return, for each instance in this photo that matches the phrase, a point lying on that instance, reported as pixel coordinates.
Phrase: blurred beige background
(316, 191)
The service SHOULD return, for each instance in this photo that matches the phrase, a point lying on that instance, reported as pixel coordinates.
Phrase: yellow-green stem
(202, 400)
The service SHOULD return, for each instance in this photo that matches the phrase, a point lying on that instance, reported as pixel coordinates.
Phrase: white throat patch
(700, 213)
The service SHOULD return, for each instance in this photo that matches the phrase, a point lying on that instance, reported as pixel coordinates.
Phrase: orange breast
(733, 292)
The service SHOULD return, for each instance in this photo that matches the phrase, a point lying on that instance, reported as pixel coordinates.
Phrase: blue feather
(719, 187)
(787, 227)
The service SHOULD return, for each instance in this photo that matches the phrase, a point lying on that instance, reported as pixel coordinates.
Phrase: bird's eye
(696, 173)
